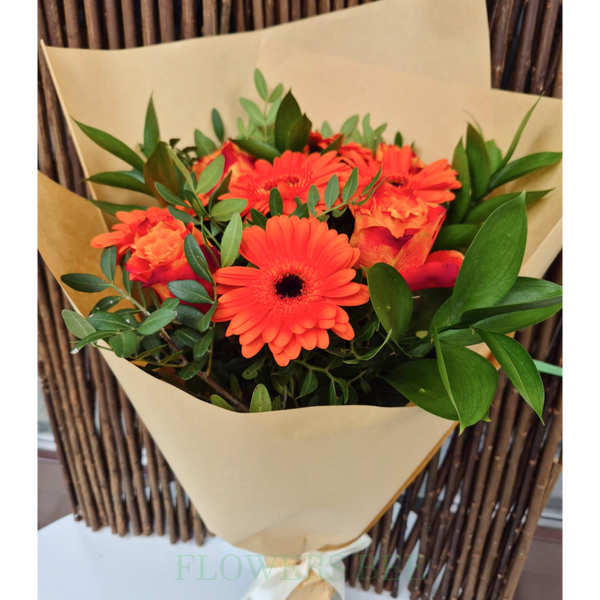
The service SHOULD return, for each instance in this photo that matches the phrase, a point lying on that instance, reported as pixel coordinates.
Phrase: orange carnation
(156, 241)
(292, 299)
(292, 174)
(236, 161)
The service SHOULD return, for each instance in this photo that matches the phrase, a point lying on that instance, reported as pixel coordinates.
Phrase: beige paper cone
(293, 481)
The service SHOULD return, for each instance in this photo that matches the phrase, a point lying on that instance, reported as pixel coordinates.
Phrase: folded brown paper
(293, 481)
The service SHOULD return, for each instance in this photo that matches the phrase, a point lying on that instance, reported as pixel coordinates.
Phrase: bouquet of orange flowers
(289, 266)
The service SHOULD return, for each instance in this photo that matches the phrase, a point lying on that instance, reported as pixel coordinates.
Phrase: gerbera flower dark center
(289, 286)
(397, 181)
(290, 179)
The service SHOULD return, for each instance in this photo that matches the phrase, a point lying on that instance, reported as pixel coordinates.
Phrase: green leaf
(169, 196)
(113, 145)
(420, 382)
(332, 191)
(189, 290)
(368, 133)
(344, 387)
(326, 130)
(196, 258)
(230, 243)
(261, 85)
(108, 262)
(203, 344)
(544, 367)
(106, 303)
(492, 263)
(90, 339)
(455, 237)
(151, 129)
(479, 163)
(524, 166)
(182, 216)
(217, 124)
(193, 368)
(312, 200)
(288, 115)
(171, 303)
(482, 211)
(275, 202)
(519, 368)
(160, 169)
(462, 196)
(188, 315)
(351, 186)
(124, 344)
(526, 294)
(221, 402)
(276, 93)
(258, 218)
(517, 137)
(126, 278)
(121, 179)
(204, 322)
(398, 141)
(334, 146)
(261, 401)
(211, 175)
(494, 154)
(84, 283)
(252, 371)
(224, 210)
(301, 212)
(349, 126)
(309, 384)
(77, 325)
(375, 351)
(185, 337)
(258, 149)
(391, 298)
(298, 135)
(470, 381)
(105, 321)
(204, 145)
(253, 111)
(157, 320)
(112, 209)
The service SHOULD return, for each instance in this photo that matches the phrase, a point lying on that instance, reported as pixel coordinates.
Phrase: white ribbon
(278, 583)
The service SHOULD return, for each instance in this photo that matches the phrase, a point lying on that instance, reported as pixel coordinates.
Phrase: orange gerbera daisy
(293, 298)
(292, 174)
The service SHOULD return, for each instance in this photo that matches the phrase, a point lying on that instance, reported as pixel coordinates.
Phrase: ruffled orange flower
(292, 174)
(156, 242)
(293, 298)
(236, 161)
(403, 169)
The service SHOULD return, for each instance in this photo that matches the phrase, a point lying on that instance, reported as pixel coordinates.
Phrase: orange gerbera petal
(293, 173)
(292, 297)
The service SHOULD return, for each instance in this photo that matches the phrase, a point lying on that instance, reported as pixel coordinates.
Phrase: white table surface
(75, 563)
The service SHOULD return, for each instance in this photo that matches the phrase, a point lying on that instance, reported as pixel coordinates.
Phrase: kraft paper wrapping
(293, 481)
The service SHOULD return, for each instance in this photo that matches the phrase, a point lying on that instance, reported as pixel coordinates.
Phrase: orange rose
(156, 242)
(236, 161)
(400, 231)
(399, 224)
